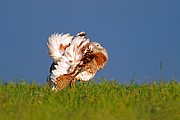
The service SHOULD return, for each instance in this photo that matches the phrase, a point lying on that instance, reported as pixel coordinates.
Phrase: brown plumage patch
(87, 57)
(100, 59)
(63, 81)
(63, 47)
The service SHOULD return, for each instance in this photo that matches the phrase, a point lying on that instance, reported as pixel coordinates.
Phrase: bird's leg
(72, 84)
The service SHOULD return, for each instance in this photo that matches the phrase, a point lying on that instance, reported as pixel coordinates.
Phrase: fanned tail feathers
(57, 43)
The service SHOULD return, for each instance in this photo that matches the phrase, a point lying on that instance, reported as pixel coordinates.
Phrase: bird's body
(76, 59)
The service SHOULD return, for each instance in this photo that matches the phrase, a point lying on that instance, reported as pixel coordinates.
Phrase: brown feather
(63, 81)
(100, 59)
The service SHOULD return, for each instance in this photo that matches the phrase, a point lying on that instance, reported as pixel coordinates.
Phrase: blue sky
(137, 35)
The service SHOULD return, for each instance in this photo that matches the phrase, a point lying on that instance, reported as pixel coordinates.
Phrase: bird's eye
(97, 45)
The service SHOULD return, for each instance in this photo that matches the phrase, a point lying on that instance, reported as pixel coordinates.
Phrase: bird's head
(96, 47)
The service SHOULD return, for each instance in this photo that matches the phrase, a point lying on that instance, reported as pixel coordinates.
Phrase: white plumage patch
(57, 44)
(84, 76)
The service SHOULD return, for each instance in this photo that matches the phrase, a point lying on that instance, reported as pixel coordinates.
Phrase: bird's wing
(71, 57)
(57, 43)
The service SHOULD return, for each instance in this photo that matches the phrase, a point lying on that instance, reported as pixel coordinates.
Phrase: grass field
(104, 100)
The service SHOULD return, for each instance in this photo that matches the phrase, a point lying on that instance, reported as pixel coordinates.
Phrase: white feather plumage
(55, 41)
(66, 51)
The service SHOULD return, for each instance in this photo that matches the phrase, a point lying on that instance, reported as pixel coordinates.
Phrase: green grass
(104, 100)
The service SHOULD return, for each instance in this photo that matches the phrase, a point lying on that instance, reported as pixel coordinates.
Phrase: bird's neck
(100, 59)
